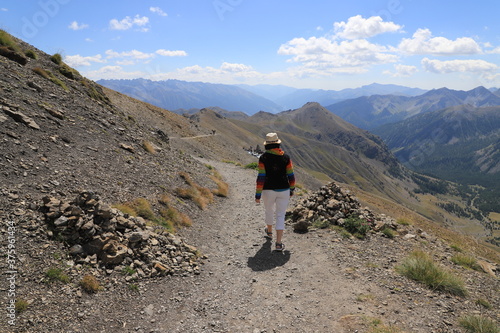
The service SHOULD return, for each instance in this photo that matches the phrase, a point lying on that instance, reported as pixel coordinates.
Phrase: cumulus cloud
(422, 42)
(402, 71)
(358, 27)
(134, 54)
(451, 66)
(167, 53)
(75, 26)
(129, 22)
(235, 68)
(157, 10)
(325, 53)
(113, 72)
(78, 60)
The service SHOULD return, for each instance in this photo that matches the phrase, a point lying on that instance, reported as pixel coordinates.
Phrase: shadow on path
(266, 259)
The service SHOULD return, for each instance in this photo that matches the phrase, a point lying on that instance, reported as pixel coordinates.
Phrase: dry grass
(90, 284)
(479, 324)
(222, 187)
(50, 76)
(148, 146)
(142, 207)
(201, 196)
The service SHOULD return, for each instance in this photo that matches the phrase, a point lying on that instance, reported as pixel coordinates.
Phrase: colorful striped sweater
(275, 172)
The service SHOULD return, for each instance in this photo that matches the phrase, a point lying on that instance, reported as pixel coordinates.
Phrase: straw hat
(271, 138)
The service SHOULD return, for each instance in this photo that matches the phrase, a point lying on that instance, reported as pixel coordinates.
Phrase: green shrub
(31, 54)
(466, 261)
(127, 270)
(7, 40)
(253, 165)
(20, 305)
(69, 72)
(388, 232)
(358, 227)
(484, 303)
(50, 76)
(403, 221)
(479, 324)
(56, 59)
(420, 267)
(56, 274)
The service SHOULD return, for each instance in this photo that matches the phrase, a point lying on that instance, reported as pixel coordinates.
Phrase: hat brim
(272, 142)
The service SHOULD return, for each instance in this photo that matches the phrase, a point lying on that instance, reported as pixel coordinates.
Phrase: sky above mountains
(315, 44)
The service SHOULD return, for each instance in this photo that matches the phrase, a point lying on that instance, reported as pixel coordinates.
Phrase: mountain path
(244, 285)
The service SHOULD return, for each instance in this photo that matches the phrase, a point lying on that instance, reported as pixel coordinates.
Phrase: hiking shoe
(280, 247)
(269, 235)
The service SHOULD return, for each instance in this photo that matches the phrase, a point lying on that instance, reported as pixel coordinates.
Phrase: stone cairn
(332, 205)
(101, 235)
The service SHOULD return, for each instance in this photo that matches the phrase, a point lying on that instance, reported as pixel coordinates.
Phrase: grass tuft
(56, 274)
(31, 54)
(20, 305)
(90, 284)
(7, 40)
(479, 324)
(56, 59)
(148, 146)
(466, 261)
(50, 76)
(420, 267)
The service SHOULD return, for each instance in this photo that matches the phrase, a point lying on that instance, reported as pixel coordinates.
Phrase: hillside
(176, 94)
(457, 143)
(369, 112)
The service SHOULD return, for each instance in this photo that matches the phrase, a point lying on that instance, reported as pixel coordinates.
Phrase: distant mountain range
(176, 94)
(369, 112)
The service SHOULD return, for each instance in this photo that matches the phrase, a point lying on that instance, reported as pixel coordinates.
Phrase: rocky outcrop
(332, 205)
(101, 235)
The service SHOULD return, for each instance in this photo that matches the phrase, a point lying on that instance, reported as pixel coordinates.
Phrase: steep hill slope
(323, 143)
(176, 94)
(369, 112)
(457, 143)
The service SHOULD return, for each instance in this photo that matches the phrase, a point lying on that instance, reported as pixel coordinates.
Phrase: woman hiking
(275, 184)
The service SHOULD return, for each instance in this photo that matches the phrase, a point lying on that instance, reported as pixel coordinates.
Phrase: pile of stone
(332, 205)
(104, 236)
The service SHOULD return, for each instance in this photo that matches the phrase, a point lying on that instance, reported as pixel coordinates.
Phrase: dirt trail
(247, 287)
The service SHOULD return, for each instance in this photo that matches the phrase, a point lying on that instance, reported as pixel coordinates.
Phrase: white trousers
(275, 204)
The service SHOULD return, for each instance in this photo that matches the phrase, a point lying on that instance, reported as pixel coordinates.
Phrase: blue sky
(304, 44)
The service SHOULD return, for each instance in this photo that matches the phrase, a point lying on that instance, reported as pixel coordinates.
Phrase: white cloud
(496, 50)
(78, 60)
(158, 11)
(451, 66)
(75, 26)
(235, 68)
(90, 40)
(402, 71)
(422, 42)
(167, 53)
(327, 55)
(358, 27)
(4, 9)
(134, 54)
(129, 22)
(113, 72)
